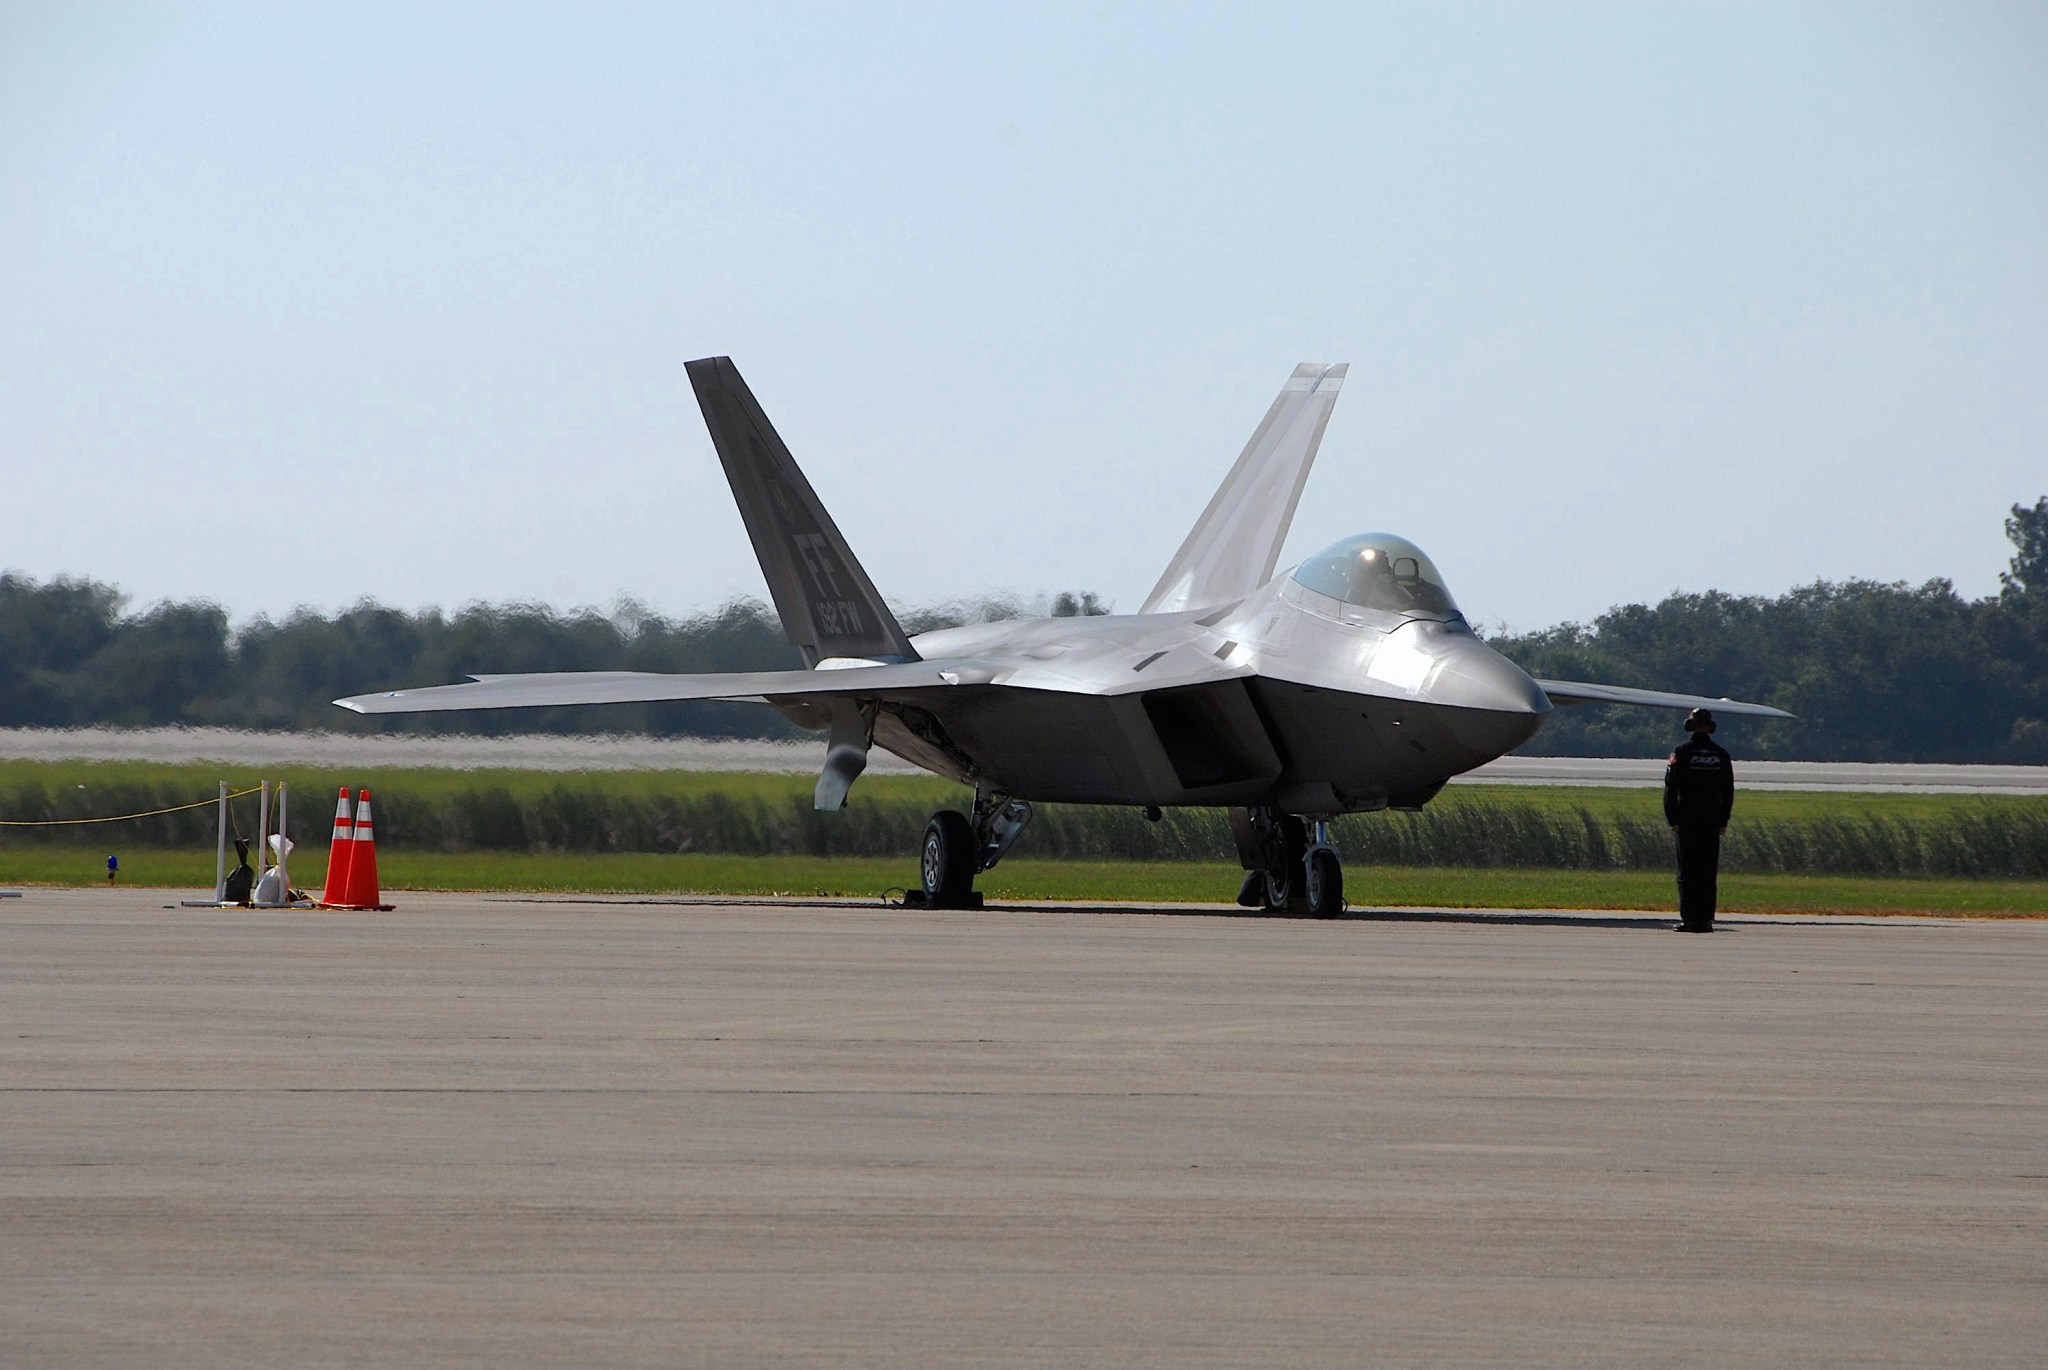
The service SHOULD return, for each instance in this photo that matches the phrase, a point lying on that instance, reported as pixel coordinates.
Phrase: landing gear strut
(1289, 863)
(958, 847)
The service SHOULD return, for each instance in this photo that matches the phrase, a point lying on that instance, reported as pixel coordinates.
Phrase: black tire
(1279, 888)
(1283, 886)
(1324, 887)
(948, 859)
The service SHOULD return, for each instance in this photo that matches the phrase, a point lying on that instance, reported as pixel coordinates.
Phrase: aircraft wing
(1568, 692)
(638, 687)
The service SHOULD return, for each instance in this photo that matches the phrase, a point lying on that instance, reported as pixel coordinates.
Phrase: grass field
(887, 815)
(1023, 879)
(313, 790)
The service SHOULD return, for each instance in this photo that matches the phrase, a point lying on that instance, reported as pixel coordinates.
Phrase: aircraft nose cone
(1496, 707)
(1474, 676)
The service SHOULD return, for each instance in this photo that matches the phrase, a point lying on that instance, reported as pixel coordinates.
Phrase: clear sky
(303, 304)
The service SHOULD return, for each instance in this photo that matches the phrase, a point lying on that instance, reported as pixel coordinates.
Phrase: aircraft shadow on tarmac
(1558, 918)
(1367, 915)
(1620, 921)
(1483, 917)
(1638, 922)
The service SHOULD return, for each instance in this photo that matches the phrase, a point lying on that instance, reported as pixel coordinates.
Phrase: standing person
(113, 868)
(1699, 793)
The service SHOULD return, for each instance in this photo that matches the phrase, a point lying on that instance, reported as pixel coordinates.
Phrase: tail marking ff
(828, 605)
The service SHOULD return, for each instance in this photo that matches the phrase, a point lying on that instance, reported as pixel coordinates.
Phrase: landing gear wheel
(948, 860)
(1324, 887)
(1279, 888)
(1283, 882)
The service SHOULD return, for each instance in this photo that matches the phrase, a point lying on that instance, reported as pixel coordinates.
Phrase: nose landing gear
(1289, 863)
(1323, 888)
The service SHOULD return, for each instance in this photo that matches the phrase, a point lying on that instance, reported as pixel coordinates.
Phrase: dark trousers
(1699, 866)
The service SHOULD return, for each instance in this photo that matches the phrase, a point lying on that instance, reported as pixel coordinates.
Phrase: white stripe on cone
(339, 851)
(362, 865)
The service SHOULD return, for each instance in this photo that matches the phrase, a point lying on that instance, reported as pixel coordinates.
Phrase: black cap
(1699, 721)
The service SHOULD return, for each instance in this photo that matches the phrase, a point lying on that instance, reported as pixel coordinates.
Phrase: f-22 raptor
(1348, 684)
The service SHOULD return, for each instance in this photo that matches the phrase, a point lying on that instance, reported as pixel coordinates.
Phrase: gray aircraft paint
(828, 605)
(1234, 687)
(1234, 546)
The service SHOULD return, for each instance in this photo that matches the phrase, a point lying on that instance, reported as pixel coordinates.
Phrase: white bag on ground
(270, 889)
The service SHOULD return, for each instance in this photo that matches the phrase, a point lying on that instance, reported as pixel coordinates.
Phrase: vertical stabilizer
(828, 605)
(1236, 543)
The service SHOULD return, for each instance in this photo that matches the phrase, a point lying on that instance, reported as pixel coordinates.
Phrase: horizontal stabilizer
(642, 687)
(1568, 692)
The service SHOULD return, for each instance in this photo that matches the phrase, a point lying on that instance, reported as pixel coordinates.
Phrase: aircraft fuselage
(1285, 697)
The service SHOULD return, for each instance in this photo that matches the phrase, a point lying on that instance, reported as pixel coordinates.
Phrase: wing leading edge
(1569, 692)
(642, 687)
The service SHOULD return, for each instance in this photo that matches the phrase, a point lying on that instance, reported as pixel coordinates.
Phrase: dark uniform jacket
(1699, 784)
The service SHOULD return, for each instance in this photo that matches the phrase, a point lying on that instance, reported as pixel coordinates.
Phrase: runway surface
(432, 751)
(613, 752)
(484, 1131)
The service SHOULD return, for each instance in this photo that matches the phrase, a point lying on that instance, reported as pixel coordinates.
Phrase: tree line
(1876, 672)
(71, 657)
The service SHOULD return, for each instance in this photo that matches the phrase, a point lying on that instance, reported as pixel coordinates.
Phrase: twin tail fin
(1235, 545)
(828, 605)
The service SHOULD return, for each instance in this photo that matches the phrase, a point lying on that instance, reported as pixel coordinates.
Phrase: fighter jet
(1350, 683)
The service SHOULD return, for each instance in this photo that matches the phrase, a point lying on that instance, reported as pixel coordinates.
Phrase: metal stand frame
(220, 854)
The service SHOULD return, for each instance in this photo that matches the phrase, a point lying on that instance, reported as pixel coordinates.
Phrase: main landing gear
(957, 847)
(1289, 863)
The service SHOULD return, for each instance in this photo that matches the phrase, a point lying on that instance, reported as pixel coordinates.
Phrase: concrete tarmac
(484, 1131)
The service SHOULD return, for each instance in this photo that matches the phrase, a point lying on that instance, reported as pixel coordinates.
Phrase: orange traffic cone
(339, 850)
(362, 862)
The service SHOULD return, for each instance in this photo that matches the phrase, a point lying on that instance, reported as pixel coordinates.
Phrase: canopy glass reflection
(1378, 571)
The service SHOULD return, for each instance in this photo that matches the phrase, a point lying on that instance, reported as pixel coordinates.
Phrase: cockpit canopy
(1381, 572)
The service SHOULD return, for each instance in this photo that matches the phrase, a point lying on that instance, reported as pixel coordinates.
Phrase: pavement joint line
(646, 1090)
